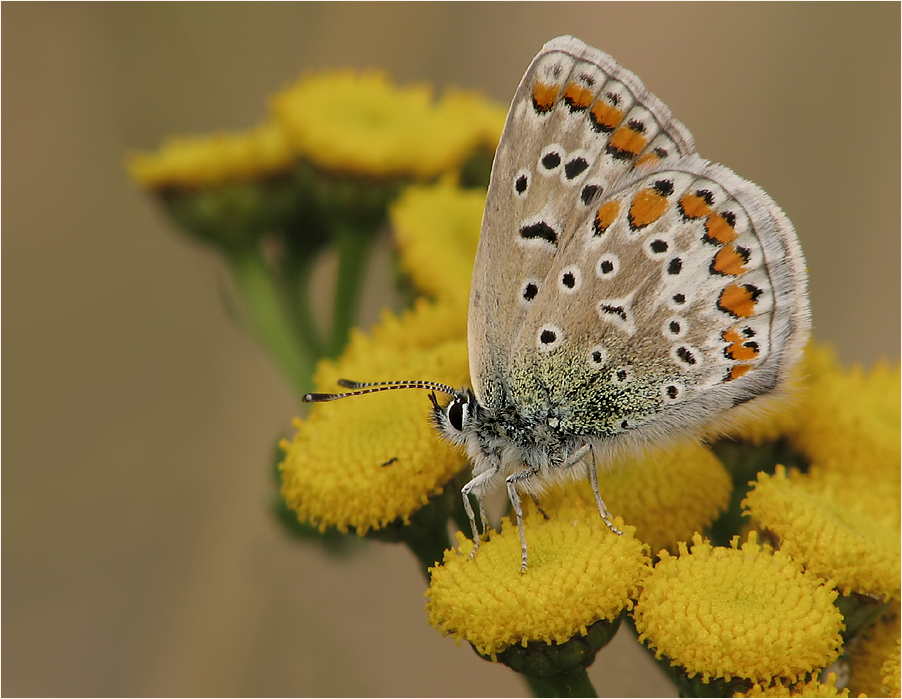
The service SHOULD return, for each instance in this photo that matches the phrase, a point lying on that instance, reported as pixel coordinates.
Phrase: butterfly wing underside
(579, 123)
(689, 302)
(623, 284)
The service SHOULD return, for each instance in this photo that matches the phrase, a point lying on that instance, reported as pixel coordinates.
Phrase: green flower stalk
(321, 171)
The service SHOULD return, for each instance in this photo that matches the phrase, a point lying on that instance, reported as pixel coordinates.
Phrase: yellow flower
(838, 419)
(579, 572)
(364, 462)
(851, 418)
(821, 528)
(892, 673)
(745, 612)
(667, 494)
(436, 229)
(482, 117)
(850, 434)
(813, 688)
(359, 123)
(874, 657)
(198, 161)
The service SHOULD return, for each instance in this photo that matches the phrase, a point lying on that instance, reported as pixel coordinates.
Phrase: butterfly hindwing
(671, 313)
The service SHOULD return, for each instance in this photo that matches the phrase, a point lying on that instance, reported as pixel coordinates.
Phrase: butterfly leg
(574, 459)
(538, 506)
(476, 484)
(602, 510)
(518, 509)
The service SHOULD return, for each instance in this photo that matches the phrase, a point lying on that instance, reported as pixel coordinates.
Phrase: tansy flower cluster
(342, 122)
(320, 171)
(760, 613)
(763, 561)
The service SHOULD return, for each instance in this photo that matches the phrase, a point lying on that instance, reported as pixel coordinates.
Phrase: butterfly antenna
(361, 388)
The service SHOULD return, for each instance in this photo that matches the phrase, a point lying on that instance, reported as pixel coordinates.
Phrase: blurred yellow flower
(836, 418)
(667, 494)
(364, 462)
(851, 418)
(822, 529)
(745, 612)
(198, 161)
(891, 671)
(874, 657)
(360, 123)
(436, 230)
(579, 572)
(483, 118)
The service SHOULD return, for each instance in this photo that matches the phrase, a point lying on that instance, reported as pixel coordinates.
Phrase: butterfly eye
(457, 413)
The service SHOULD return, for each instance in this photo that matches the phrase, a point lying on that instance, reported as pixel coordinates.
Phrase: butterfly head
(457, 419)
(454, 420)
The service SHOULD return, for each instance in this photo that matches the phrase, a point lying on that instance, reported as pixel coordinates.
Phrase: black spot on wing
(540, 230)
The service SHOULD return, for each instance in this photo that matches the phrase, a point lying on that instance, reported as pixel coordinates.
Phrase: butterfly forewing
(579, 124)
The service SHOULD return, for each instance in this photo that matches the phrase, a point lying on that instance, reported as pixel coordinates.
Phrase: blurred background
(139, 556)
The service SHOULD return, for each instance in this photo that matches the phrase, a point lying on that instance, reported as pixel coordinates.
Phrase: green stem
(429, 547)
(427, 535)
(859, 612)
(572, 683)
(297, 273)
(353, 252)
(268, 318)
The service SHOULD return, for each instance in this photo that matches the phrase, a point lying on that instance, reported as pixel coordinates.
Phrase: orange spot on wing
(738, 370)
(605, 116)
(739, 350)
(651, 156)
(605, 216)
(731, 335)
(694, 206)
(627, 142)
(743, 353)
(738, 300)
(647, 207)
(543, 96)
(729, 260)
(719, 229)
(577, 96)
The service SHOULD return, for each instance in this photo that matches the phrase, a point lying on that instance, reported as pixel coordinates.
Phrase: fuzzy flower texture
(805, 580)
(765, 613)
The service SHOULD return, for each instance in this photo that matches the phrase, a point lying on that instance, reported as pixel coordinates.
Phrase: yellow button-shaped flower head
(197, 161)
(579, 573)
(821, 527)
(741, 612)
(813, 688)
(668, 494)
(436, 230)
(851, 418)
(360, 123)
(366, 461)
(228, 189)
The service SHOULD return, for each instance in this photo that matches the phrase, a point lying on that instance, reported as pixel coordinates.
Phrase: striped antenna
(376, 387)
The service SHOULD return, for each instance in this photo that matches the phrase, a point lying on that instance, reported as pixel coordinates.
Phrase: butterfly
(626, 292)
